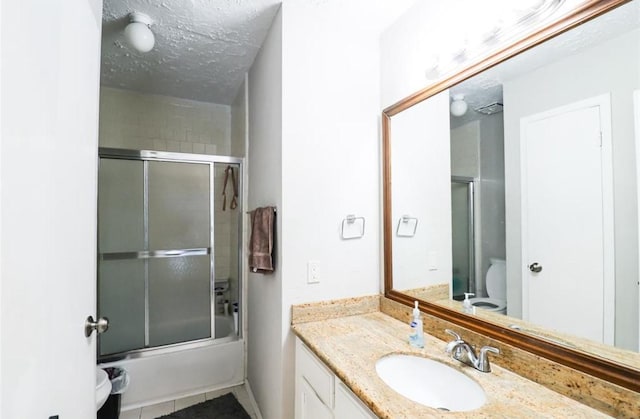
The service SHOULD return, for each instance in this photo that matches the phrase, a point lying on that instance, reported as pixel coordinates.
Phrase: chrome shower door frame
(470, 183)
(147, 156)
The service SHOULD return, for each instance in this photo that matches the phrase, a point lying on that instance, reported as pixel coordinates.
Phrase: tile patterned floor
(157, 410)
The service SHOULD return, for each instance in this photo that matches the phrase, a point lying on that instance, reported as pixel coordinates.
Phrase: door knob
(99, 326)
(535, 267)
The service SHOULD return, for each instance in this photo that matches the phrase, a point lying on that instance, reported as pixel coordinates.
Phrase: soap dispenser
(467, 307)
(416, 338)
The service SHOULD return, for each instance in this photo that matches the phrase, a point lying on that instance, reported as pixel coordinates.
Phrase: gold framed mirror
(406, 227)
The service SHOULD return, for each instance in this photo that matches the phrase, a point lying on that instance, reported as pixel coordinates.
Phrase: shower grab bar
(150, 254)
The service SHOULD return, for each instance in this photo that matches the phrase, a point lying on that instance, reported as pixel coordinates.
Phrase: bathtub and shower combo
(169, 272)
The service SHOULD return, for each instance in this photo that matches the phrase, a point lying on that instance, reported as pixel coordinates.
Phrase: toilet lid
(497, 280)
(490, 304)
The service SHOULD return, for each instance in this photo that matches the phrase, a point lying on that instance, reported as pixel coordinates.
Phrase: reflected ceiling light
(138, 34)
(458, 106)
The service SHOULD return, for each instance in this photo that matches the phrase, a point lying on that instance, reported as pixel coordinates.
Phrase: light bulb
(458, 106)
(138, 34)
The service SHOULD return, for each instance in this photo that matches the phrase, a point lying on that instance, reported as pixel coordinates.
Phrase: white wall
(422, 189)
(142, 121)
(330, 142)
(239, 122)
(321, 166)
(407, 48)
(264, 301)
(1, 230)
(330, 149)
(611, 67)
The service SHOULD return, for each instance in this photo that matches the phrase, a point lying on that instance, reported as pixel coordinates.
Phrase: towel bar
(350, 222)
(403, 229)
(249, 212)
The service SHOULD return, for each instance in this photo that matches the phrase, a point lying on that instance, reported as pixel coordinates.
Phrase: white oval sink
(430, 382)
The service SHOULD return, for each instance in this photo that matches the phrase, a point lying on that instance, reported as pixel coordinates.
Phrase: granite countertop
(351, 345)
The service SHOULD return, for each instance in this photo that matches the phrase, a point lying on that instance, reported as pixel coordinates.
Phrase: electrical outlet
(432, 260)
(313, 272)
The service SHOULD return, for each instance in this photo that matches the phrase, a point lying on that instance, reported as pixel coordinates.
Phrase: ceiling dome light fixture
(458, 106)
(138, 34)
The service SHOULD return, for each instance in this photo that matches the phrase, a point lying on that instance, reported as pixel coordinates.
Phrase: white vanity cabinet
(309, 405)
(320, 394)
(348, 405)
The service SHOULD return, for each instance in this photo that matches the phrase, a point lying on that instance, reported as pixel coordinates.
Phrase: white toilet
(496, 282)
(103, 387)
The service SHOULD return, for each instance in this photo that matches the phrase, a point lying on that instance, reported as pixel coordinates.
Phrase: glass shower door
(155, 265)
(179, 223)
(121, 282)
(462, 230)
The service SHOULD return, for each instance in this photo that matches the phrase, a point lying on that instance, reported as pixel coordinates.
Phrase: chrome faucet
(463, 352)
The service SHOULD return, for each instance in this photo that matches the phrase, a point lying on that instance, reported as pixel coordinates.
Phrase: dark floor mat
(224, 407)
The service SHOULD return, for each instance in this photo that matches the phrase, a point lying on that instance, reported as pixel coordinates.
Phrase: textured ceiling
(486, 87)
(203, 47)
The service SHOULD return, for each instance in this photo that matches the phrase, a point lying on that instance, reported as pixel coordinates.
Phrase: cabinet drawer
(319, 377)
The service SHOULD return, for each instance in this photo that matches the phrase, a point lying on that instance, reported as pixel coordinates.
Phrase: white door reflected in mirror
(567, 218)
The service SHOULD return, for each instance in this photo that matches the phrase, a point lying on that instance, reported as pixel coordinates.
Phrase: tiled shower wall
(151, 122)
(138, 121)
(226, 234)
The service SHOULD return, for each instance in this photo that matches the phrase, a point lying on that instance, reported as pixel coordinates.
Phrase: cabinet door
(315, 373)
(311, 407)
(348, 406)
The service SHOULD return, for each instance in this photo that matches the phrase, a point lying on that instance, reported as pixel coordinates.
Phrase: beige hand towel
(262, 239)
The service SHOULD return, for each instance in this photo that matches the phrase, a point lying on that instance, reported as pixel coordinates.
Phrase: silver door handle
(535, 267)
(100, 326)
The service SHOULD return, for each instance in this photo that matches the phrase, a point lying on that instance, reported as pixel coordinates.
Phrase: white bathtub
(185, 372)
(224, 327)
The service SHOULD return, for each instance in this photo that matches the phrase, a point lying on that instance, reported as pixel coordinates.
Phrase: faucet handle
(486, 349)
(453, 347)
(483, 359)
(454, 334)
